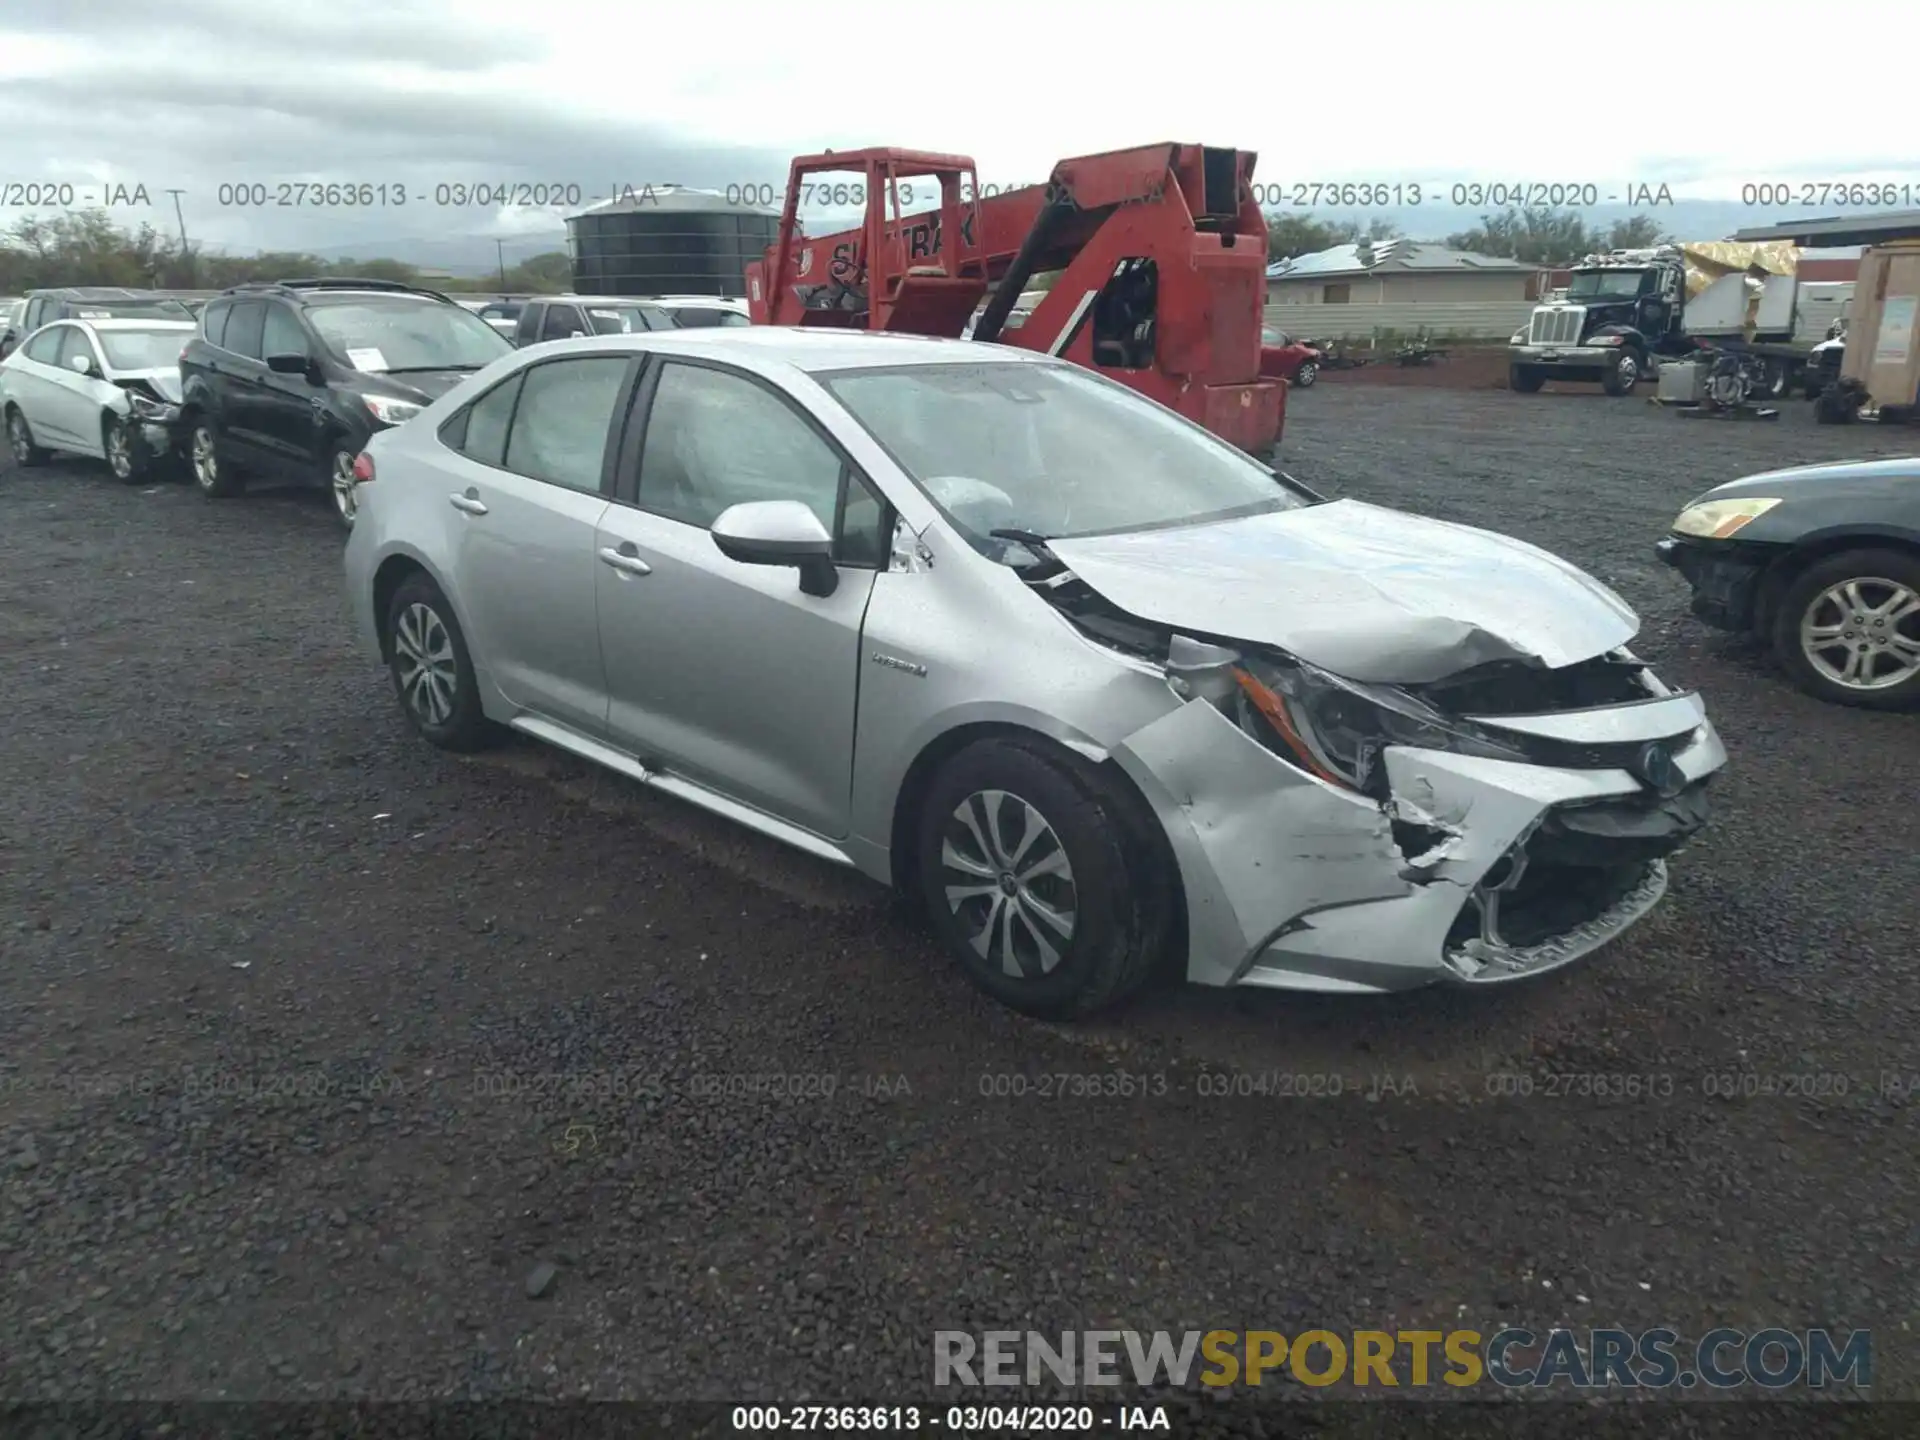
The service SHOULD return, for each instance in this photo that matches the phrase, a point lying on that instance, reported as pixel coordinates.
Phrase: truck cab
(1618, 311)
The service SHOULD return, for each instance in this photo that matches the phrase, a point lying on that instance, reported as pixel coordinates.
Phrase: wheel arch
(1087, 762)
(389, 575)
(1789, 567)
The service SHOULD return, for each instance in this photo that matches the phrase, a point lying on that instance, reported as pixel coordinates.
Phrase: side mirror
(289, 364)
(779, 532)
(80, 364)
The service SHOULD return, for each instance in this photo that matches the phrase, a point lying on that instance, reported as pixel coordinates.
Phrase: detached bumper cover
(1476, 871)
(1724, 580)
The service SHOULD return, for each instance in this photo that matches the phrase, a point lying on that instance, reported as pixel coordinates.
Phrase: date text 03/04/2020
(1010, 1419)
(1408, 194)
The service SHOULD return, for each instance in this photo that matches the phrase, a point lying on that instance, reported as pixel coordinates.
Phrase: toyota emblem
(1655, 768)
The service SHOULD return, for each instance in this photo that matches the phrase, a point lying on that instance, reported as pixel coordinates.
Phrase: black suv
(90, 302)
(561, 317)
(288, 380)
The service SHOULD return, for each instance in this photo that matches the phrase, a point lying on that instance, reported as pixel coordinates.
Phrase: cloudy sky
(196, 94)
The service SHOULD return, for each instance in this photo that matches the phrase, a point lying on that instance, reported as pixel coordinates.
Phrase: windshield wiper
(427, 369)
(1025, 537)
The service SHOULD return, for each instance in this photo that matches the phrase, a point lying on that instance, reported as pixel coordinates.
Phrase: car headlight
(146, 408)
(389, 411)
(1336, 729)
(1717, 519)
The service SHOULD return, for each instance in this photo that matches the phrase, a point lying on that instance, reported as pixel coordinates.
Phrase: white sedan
(107, 389)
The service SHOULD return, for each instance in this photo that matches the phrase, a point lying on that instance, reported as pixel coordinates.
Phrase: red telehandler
(1162, 254)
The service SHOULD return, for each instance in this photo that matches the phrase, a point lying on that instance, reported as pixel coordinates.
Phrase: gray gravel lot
(315, 1043)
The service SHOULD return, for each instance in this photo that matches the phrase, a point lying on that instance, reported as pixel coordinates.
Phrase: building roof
(637, 199)
(1841, 229)
(1395, 257)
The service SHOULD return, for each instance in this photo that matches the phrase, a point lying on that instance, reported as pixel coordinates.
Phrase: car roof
(768, 347)
(120, 323)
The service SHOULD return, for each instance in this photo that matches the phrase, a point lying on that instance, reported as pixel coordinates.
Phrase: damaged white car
(1106, 695)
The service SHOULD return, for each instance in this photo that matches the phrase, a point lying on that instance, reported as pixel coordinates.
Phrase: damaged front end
(154, 408)
(1336, 835)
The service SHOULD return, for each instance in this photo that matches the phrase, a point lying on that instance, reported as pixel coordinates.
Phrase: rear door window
(245, 327)
(560, 426)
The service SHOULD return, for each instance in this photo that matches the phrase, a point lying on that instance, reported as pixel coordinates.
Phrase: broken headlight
(1337, 729)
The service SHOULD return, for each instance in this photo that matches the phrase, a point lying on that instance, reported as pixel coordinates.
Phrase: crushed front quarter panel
(1294, 884)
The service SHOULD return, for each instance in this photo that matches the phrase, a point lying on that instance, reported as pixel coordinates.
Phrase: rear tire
(1816, 598)
(432, 670)
(1014, 839)
(20, 441)
(1526, 379)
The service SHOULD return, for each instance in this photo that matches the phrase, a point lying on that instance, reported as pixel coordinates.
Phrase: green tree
(1638, 232)
(1538, 236)
(1289, 234)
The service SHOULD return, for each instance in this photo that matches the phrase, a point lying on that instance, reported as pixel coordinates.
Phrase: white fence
(1456, 319)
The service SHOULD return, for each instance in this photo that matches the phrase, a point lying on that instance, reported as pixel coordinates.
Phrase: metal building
(668, 240)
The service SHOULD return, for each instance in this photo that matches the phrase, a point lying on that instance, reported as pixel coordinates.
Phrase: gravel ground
(320, 1050)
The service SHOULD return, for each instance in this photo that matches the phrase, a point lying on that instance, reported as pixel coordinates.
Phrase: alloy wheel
(206, 462)
(1008, 882)
(119, 452)
(20, 438)
(1629, 370)
(345, 491)
(1863, 634)
(428, 673)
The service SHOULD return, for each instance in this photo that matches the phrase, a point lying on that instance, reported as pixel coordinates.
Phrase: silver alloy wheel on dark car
(345, 488)
(1008, 883)
(425, 665)
(1863, 634)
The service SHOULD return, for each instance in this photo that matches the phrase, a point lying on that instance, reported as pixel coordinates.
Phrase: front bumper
(1476, 872)
(1571, 358)
(1725, 580)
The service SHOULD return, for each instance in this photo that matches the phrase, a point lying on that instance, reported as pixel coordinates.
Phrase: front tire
(1525, 379)
(212, 476)
(1032, 883)
(20, 441)
(1623, 373)
(1847, 629)
(1304, 377)
(126, 450)
(432, 669)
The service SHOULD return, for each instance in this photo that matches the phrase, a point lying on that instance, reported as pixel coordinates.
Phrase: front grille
(1549, 901)
(1556, 327)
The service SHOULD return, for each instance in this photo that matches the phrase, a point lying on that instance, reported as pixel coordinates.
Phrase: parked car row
(282, 381)
(89, 302)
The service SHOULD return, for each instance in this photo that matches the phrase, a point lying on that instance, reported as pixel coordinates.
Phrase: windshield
(407, 334)
(1050, 449)
(627, 319)
(1274, 337)
(1605, 285)
(143, 349)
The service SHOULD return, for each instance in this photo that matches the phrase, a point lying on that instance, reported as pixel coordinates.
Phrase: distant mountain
(464, 255)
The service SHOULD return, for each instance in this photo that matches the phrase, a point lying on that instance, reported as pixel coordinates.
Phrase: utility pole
(500, 250)
(186, 251)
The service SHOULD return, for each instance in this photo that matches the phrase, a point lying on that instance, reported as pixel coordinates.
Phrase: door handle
(469, 502)
(626, 560)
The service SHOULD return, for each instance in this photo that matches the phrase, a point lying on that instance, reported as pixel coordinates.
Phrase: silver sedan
(1110, 699)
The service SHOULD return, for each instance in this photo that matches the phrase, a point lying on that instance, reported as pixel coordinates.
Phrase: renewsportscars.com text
(1597, 1358)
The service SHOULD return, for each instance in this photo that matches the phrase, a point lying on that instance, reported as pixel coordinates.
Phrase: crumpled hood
(1373, 594)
